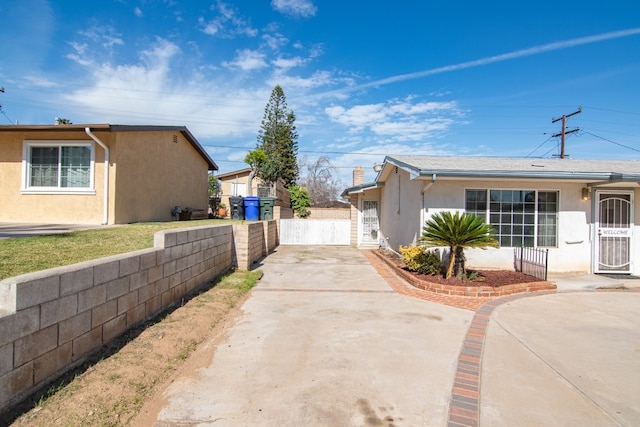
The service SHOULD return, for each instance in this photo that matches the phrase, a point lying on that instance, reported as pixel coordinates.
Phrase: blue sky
(365, 79)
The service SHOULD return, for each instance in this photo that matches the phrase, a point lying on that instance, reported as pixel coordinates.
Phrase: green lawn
(28, 254)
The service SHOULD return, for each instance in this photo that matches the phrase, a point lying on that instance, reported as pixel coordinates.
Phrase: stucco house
(585, 212)
(100, 173)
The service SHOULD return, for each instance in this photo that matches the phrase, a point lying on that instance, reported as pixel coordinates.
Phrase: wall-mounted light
(586, 194)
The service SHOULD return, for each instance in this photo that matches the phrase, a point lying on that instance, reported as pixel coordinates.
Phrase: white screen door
(369, 222)
(614, 230)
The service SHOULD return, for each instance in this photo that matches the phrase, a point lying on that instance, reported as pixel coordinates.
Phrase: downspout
(105, 213)
(425, 187)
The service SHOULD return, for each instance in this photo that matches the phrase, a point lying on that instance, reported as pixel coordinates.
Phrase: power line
(549, 152)
(536, 149)
(613, 111)
(5, 114)
(302, 151)
(613, 142)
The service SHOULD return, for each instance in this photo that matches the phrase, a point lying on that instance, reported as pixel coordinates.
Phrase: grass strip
(28, 254)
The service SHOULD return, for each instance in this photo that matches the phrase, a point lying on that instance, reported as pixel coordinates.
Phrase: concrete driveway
(325, 341)
(570, 359)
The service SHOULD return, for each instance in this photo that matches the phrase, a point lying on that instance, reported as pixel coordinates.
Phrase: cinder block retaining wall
(52, 320)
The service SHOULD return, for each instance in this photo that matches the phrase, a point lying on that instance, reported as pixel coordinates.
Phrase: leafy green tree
(255, 159)
(300, 201)
(458, 231)
(279, 140)
(214, 185)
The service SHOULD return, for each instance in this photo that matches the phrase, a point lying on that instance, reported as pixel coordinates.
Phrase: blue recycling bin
(252, 208)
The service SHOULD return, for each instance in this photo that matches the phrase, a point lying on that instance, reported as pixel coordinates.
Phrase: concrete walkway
(326, 339)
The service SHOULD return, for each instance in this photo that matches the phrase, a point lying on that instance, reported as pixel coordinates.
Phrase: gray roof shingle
(518, 167)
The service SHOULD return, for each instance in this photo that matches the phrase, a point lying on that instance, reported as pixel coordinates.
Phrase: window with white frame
(238, 189)
(519, 217)
(58, 166)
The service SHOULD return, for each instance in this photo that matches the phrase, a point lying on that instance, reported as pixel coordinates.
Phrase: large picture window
(58, 166)
(519, 217)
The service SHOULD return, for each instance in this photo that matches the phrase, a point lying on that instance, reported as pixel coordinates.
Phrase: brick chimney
(358, 176)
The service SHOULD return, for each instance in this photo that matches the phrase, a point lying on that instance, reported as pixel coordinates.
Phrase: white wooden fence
(315, 232)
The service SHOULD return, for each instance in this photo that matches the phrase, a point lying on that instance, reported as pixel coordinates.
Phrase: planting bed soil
(485, 278)
(486, 283)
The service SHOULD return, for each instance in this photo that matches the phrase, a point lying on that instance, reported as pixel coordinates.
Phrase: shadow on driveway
(14, 230)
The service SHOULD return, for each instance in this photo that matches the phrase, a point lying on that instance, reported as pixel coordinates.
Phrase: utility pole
(564, 129)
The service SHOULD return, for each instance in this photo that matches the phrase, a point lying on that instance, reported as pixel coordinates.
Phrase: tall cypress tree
(279, 140)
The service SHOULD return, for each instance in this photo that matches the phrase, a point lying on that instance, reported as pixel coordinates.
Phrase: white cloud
(289, 62)
(247, 60)
(358, 117)
(40, 82)
(105, 35)
(97, 43)
(227, 24)
(78, 56)
(155, 91)
(275, 40)
(160, 54)
(397, 120)
(316, 50)
(317, 79)
(138, 12)
(302, 8)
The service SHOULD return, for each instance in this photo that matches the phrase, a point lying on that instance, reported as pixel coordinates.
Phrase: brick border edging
(464, 405)
(469, 291)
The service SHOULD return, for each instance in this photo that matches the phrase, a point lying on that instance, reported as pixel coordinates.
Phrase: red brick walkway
(464, 407)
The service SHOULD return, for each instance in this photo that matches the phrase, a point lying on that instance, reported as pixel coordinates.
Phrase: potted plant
(222, 210)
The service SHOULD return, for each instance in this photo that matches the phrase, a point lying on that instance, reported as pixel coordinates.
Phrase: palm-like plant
(458, 231)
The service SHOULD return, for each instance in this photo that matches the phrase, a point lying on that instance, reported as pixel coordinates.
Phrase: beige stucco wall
(400, 207)
(573, 252)
(52, 208)
(149, 175)
(154, 174)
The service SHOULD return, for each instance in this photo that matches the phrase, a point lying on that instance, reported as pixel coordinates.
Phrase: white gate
(614, 229)
(315, 232)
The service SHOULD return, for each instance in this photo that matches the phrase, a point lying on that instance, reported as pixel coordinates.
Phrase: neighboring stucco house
(585, 212)
(100, 173)
(235, 183)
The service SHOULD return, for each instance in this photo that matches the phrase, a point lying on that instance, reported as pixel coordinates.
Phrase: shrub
(300, 200)
(421, 260)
